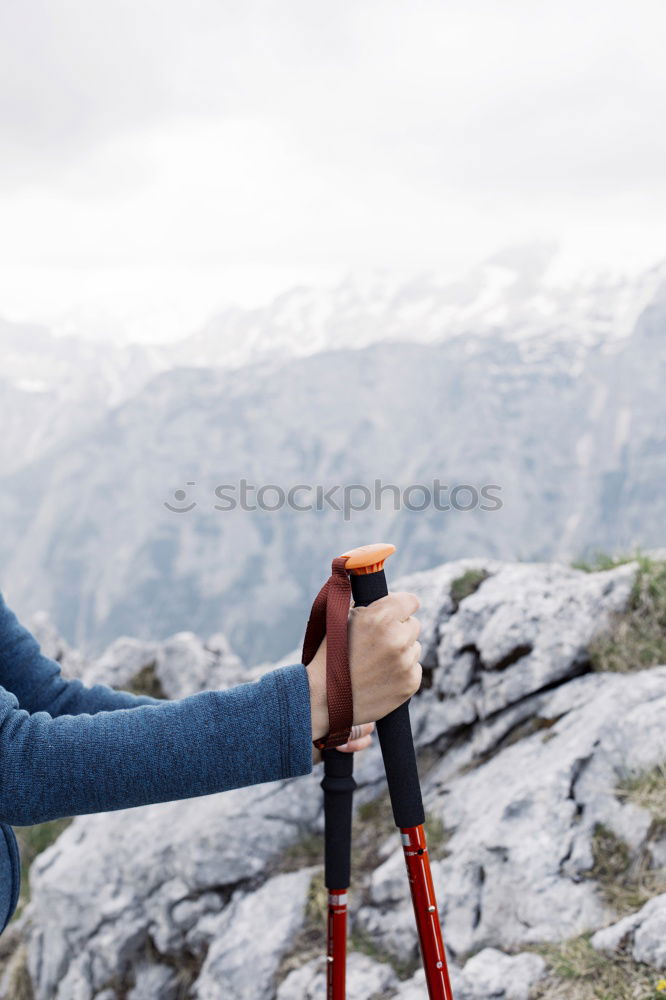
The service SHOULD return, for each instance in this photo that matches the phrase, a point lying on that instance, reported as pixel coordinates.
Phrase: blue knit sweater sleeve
(103, 758)
(37, 681)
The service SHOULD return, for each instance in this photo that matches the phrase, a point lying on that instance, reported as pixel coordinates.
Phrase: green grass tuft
(467, 584)
(373, 824)
(147, 682)
(361, 941)
(636, 639)
(437, 837)
(578, 972)
(32, 840)
(626, 879)
(601, 561)
(647, 790)
(307, 851)
(310, 942)
(19, 984)
(316, 908)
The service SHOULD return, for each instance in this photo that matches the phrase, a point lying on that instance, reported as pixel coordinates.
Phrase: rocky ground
(544, 779)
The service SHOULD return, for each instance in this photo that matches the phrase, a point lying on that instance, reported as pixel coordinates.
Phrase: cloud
(284, 134)
(75, 74)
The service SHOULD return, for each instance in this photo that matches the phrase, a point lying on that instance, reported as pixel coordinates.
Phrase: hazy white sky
(159, 159)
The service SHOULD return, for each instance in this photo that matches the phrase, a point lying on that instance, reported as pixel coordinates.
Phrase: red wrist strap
(329, 617)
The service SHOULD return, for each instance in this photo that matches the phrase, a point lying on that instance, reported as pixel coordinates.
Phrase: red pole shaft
(336, 946)
(425, 911)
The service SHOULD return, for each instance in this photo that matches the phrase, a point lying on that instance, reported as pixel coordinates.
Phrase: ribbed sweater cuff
(293, 693)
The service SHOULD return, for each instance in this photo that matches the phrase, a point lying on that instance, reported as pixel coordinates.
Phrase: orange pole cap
(368, 558)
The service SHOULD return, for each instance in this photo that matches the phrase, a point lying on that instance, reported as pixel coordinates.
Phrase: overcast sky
(160, 158)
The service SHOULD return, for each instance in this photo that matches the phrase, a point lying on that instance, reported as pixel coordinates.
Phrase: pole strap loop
(329, 617)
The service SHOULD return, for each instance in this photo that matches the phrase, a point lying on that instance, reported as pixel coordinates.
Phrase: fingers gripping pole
(394, 730)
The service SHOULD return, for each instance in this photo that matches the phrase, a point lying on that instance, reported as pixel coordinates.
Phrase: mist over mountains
(50, 383)
(555, 396)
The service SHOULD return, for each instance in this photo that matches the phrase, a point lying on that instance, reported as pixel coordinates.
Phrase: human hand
(359, 739)
(383, 661)
(384, 654)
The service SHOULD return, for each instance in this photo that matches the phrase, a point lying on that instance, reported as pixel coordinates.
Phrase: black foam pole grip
(338, 784)
(395, 729)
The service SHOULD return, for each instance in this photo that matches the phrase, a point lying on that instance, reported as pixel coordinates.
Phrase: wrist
(316, 671)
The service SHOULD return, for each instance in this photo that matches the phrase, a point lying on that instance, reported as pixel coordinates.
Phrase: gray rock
(492, 974)
(53, 645)
(521, 824)
(111, 881)
(183, 664)
(658, 852)
(564, 608)
(527, 627)
(415, 988)
(250, 937)
(366, 979)
(488, 975)
(433, 588)
(121, 662)
(219, 645)
(198, 877)
(642, 933)
(154, 982)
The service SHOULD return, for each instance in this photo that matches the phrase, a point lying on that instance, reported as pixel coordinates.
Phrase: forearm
(37, 681)
(72, 697)
(209, 742)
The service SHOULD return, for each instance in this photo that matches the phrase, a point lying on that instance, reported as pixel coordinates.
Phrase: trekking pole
(338, 785)
(329, 617)
(368, 584)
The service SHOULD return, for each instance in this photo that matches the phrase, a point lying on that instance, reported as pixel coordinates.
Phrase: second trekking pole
(368, 584)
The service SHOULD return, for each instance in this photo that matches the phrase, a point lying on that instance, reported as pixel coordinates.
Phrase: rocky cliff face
(541, 781)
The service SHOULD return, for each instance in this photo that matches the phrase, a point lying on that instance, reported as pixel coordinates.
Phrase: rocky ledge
(541, 779)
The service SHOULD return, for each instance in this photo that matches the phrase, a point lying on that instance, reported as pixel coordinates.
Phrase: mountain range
(554, 399)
